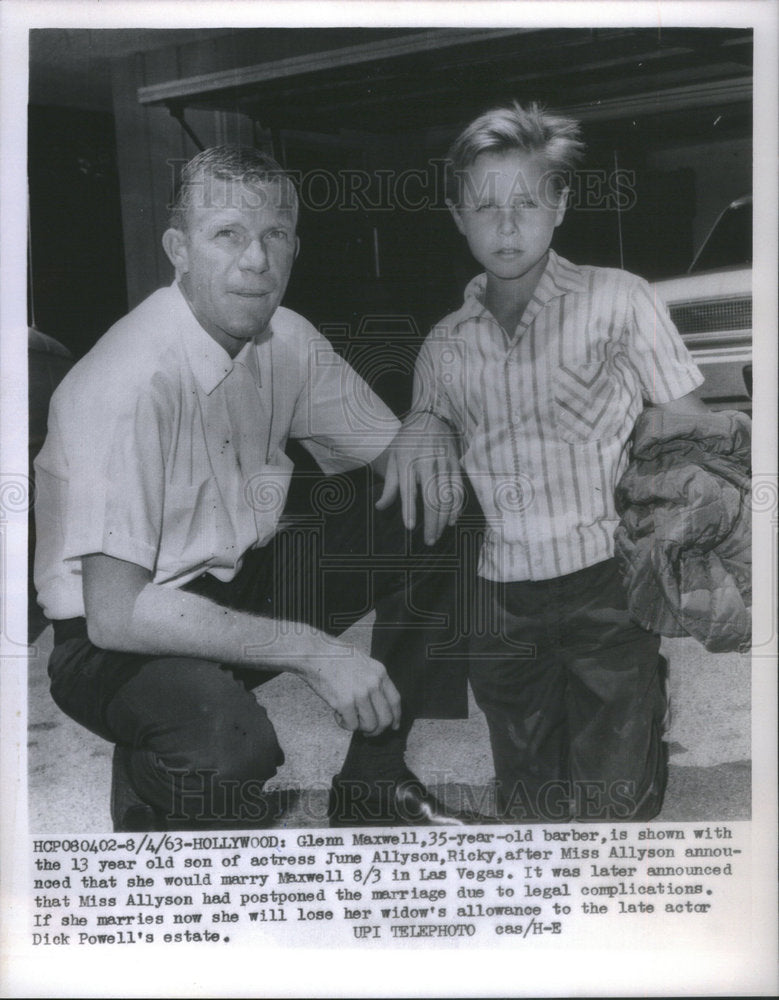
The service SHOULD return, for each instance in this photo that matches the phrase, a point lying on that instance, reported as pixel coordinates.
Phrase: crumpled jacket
(684, 539)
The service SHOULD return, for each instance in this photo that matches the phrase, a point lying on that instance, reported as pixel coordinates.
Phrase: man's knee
(222, 780)
(237, 751)
(212, 761)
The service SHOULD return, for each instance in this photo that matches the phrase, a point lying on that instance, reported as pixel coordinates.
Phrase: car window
(729, 244)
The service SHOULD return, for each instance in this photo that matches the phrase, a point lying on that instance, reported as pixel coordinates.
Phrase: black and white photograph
(389, 498)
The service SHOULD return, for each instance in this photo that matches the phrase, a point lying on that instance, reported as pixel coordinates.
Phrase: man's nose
(254, 257)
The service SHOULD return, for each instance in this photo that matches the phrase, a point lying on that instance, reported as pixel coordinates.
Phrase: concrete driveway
(709, 747)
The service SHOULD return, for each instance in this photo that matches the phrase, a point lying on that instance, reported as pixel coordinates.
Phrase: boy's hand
(424, 456)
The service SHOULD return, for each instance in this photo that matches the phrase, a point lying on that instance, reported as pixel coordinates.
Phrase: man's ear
(174, 243)
(297, 247)
(455, 211)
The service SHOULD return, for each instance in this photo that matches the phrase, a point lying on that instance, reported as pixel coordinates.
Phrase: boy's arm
(668, 373)
(127, 612)
(424, 456)
(689, 404)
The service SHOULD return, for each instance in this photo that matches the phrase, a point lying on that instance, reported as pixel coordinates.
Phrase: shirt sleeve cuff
(686, 380)
(111, 544)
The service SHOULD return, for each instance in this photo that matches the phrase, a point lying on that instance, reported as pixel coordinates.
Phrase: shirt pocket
(585, 399)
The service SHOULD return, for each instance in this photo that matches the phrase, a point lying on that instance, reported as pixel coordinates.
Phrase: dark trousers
(199, 747)
(574, 716)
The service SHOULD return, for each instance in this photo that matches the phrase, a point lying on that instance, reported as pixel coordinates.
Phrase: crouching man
(172, 586)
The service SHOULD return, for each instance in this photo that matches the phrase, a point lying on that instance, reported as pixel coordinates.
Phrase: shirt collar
(210, 363)
(248, 357)
(559, 277)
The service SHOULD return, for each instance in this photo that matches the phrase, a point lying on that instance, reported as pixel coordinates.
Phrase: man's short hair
(530, 129)
(238, 163)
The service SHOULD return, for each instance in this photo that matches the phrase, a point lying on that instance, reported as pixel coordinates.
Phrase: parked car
(711, 306)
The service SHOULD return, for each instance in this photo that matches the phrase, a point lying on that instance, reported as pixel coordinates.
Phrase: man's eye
(228, 234)
(278, 234)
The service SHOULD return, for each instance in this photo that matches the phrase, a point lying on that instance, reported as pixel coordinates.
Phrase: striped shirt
(545, 414)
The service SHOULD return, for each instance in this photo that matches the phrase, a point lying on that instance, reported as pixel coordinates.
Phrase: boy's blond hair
(530, 129)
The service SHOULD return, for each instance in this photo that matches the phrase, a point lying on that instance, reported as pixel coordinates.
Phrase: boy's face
(510, 207)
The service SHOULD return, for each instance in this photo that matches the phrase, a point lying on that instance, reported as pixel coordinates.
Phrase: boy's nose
(254, 257)
(507, 222)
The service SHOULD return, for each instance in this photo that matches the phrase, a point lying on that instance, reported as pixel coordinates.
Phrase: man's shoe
(402, 802)
(130, 814)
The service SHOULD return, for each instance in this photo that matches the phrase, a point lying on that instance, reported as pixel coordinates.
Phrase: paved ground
(709, 748)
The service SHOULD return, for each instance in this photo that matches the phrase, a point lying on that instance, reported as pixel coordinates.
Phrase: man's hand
(424, 456)
(356, 687)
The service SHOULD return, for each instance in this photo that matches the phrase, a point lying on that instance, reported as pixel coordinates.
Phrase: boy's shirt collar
(559, 277)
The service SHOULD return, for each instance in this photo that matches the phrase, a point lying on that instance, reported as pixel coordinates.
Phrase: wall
(681, 187)
(150, 143)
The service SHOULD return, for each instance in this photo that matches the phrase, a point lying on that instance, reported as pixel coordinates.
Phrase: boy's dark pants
(199, 747)
(575, 720)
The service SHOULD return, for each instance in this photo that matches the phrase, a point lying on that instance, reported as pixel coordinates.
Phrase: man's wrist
(308, 650)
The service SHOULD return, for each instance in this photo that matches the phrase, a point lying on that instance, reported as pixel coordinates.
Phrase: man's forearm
(125, 611)
(167, 622)
(354, 685)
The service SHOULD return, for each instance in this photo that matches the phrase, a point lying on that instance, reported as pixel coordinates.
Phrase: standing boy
(543, 372)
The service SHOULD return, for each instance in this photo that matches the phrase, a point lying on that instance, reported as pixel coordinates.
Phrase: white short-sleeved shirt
(546, 413)
(165, 452)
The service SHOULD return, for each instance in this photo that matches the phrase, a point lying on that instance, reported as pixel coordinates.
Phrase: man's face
(509, 210)
(235, 256)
